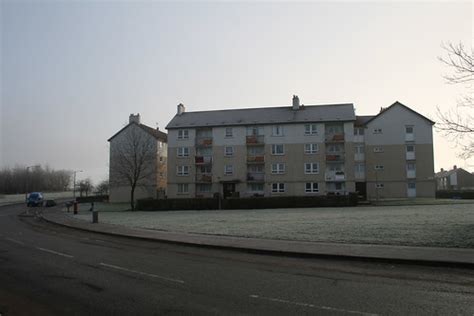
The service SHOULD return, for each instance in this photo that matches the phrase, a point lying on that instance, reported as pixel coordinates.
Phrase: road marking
(141, 273)
(327, 308)
(55, 252)
(15, 241)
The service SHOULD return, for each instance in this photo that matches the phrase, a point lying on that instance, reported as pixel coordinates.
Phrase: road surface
(46, 269)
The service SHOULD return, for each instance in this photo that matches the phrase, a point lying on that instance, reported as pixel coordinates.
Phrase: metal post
(74, 184)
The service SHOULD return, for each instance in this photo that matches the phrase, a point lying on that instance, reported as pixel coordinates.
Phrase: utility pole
(74, 184)
(26, 181)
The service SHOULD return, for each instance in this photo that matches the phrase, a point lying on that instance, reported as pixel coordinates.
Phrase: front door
(229, 189)
(411, 187)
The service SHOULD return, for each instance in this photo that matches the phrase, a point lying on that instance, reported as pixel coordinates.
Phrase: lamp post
(26, 181)
(74, 184)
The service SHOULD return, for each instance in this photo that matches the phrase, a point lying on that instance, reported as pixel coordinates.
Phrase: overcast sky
(72, 72)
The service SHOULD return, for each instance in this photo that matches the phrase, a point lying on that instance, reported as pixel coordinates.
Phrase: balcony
(203, 141)
(410, 155)
(204, 178)
(335, 176)
(256, 159)
(203, 160)
(334, 138)
(255, 140)
(411, 174)
(255, 177)
(334, 157)
(409, 137)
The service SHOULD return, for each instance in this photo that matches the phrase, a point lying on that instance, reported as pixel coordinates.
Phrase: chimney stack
(181, 109)
(134, 118)
(296, 102)
(455, 167)
(442, 169)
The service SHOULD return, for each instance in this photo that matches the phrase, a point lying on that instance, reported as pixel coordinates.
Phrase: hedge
(92, 198)
(246, 203)
(454, 194)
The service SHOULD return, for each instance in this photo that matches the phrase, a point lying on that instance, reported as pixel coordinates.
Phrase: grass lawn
(448, 225)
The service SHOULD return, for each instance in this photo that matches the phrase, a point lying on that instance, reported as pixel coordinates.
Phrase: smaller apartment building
(297, 151)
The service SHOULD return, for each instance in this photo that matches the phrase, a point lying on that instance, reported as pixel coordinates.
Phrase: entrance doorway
(229, 189)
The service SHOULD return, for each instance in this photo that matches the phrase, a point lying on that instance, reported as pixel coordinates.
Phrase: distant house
(455, 179)
(154, 185)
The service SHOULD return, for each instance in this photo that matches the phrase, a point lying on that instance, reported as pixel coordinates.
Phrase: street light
(74, 184)
(26, 180)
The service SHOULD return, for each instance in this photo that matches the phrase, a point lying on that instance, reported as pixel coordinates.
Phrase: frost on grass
(432, 226)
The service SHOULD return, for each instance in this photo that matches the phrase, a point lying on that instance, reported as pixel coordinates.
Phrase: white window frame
(228, 153)
(377, 130)
(312, 169)
(311, 149)
(411, 183)
(358, 131)
(379, 167)
(275, 151)
(311, 129)
(313, 187)
(410, 151)
(228, 170)
(278, 168)
(182, 152)
(182, 171)
(183, 133)
(229, 132)
(278, 187)
(412, 129)
(183, 188)
(411, 164)
(277, 130)
(378, 149)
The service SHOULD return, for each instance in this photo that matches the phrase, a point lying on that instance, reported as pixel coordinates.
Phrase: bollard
(75, 207)
(95, 216)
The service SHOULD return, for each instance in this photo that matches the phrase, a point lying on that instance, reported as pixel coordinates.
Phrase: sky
(73, 71)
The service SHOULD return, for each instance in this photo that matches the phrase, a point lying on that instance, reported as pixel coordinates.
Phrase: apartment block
(296, 150)
(141, 151)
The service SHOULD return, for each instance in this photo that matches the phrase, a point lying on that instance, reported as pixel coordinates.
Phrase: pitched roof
(384, 110)
(361, 120)
(152, 131)
(265, 115)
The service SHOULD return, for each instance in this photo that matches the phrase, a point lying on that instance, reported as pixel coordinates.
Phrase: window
(359, 149)
(278, 150)
(411, 166)
(183, 134)
(229, 132)
(378, 167)
(410, 148)
(278, 168)
(183, 188)
(254, 130)
(278, 187)
(379, 185)
(312, 187)
(360, 168)
(182, 170)
(205, 169)
(311, 148)
(256, 168)
(358, 131)
(411, 185)
(228, 170)
(203, 187)
(182, 152)
(338, 186)
(228, 151)
(409, 129)
(255, 187)
(377, 131)
(277, 130)
(311, 168)
(378, 149)
(310, 129)
(334, 148)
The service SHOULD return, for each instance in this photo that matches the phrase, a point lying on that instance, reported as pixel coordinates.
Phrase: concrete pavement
(454, 257)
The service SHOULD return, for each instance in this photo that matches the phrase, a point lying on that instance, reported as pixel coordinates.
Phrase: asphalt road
(50, 270)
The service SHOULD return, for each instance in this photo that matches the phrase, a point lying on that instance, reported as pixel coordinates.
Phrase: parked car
(35, 199)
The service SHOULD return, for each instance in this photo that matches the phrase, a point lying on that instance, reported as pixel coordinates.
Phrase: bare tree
(132, 161)
(102, 188)
(458, 124)
(85, 186)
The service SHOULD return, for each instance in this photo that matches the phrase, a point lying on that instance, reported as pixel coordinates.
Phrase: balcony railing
(335, 176)
(256, 177)
(254, 140)
(204, 141)
(256, 159)
(335, 138)
(204, 178)
(203, 160)
(335, 158)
